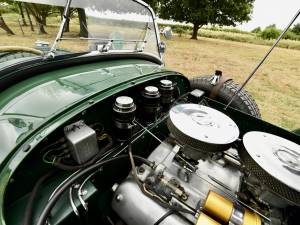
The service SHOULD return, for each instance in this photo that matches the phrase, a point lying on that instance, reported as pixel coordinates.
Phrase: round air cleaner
(202, 128)
(275, 161)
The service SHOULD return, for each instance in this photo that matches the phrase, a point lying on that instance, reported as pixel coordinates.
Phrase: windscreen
(102, 25)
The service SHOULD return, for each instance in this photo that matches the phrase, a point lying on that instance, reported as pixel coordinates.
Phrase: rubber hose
(51, 203)
(29, 207)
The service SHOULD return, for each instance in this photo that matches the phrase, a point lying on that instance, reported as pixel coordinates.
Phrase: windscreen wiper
(51, 53)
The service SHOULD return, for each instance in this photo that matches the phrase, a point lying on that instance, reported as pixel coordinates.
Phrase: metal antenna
(264, 59)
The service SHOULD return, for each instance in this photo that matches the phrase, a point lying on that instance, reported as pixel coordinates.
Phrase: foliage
(226, 29)
(296, 29)
(271, 26)
(291, 36)
(154, 4)
(256, 30)
(179, 30)
(7, 6)
(271, 32)
(199, 13)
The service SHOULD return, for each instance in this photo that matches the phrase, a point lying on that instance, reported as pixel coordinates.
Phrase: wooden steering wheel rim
(20, 49)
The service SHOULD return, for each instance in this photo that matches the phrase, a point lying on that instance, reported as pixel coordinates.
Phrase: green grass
(276, 87)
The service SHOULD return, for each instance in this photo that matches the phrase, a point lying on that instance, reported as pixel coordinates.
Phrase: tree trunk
(40, 25)
(44, 20)
(4, 26)
(82, 22)
(39, 21)
(22, 14)
(67, 25)
(195, 31)
(29, 19)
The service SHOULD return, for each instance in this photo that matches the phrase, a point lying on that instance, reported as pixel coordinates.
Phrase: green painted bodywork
(29, 104)
(32, 109)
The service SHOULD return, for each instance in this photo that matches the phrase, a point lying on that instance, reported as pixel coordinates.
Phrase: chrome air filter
(275, 161)
(202, 128)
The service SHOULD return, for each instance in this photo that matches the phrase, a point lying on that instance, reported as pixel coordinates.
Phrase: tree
(296, 29)
(200, 13)
(22, 13)
(154, 4)
(40, 13)
(256, 30)
(3, 24)
(82, 22)
(29, 18)
(270, 32)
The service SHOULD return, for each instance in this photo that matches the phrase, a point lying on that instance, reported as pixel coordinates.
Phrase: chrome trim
(74, 208)
(237, 216)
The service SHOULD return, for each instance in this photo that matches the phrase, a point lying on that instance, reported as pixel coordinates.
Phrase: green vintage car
(110, 136)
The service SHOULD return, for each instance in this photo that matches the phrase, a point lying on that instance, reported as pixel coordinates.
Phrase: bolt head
(119, 197)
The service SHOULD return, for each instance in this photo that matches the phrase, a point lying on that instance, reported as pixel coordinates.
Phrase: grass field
(276, 87)
(248, 38)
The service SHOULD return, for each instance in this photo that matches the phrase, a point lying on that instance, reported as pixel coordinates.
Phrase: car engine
(204, 174)
(155, 155)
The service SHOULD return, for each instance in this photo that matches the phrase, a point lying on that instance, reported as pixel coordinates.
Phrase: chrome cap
(124, 102)
(151, 90)
(166, 83)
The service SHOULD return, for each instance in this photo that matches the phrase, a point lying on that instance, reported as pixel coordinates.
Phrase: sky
(268, 12)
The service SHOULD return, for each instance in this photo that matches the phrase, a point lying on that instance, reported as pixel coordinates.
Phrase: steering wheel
(15, 49)
(8, 53)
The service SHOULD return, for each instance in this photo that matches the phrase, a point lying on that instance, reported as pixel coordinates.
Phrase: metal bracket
(218, 80)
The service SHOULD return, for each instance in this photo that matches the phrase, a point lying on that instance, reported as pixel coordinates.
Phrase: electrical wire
(73, 178)
(29, 207)
(58, 163)
(55, 157)
(167, 214)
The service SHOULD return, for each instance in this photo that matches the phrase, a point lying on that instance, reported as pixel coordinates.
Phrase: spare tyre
(243, 101)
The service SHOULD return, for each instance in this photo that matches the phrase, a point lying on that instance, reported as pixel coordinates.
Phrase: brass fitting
(218, 206)
(226, 211)
(251, 218)
(204, 219)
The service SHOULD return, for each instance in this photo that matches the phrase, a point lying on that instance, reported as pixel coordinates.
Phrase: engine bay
(160, 154)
